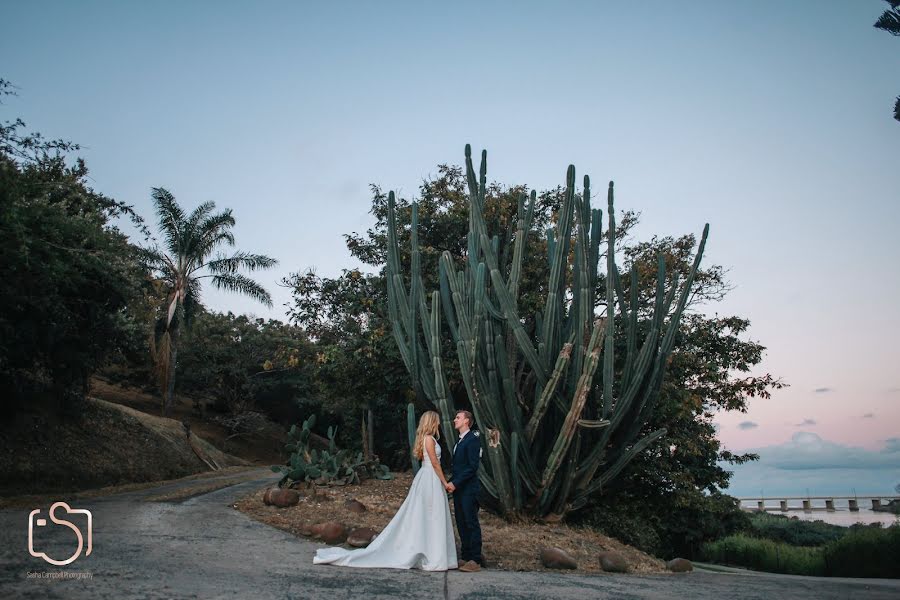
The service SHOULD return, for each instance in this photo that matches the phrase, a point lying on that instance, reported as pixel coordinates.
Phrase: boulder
(361, 537)
(333, 533)
(554, 558)
(281, 498)
(355, 506)
(613, 562)
(680, 565)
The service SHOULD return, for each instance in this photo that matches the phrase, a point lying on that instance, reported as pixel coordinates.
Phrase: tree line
(77, 297)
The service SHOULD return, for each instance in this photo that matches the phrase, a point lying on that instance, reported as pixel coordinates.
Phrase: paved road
(202, 548)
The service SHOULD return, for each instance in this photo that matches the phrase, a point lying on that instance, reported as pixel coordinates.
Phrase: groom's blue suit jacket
(466, 459)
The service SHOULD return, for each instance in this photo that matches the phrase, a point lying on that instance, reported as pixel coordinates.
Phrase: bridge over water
(810, 503)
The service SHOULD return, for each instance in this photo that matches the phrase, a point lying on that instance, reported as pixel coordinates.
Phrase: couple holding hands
(420, 536)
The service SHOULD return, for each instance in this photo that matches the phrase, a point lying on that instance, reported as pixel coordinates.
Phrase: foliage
(765, 555)
(711, 362)
(189, 241)
(865, 552)
(66, 272)
(890, 21)
(672, 485)
(860, 552)
(332, 466)
(796, 532)
(356, 370)
(518, 366)
(242, 364)
(677, 526)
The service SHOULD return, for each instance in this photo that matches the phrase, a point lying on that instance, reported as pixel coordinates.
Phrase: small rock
(361, 537)
(333, 533)
(305, 529)
(281, 498)
(554, 558)
(355, 506)
(680, 565)
(316, 530)
(613, 562)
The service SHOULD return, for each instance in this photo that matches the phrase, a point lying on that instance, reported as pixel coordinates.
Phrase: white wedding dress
(420, 536)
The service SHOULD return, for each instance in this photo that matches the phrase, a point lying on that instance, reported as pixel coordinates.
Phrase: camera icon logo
(43, 523)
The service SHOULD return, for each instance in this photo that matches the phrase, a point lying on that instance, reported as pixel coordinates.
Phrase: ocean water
(841, 515)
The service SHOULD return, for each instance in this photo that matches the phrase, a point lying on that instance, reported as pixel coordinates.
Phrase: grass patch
(869, 552)
(796, 532)
(863, 552)
(765, 555)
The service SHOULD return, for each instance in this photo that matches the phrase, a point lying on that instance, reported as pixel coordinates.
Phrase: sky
(770, 120)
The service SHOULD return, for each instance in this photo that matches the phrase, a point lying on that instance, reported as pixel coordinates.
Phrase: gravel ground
(200, 547)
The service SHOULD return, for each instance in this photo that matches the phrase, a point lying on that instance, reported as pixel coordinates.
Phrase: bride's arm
(432, 456)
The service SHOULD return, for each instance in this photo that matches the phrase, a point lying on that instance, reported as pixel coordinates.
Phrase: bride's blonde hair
(429, 424)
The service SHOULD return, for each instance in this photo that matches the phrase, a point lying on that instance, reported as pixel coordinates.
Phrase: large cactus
(577, 428)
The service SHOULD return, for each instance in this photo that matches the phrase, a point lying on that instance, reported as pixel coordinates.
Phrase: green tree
(241, 364)
(710, 367)
(189, 242)
(890, 21)
(66, 272)
(359, 377)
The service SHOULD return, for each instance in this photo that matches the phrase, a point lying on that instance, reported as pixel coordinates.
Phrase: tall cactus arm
(590, 464)
(411, 434)
(558, 262)
(630, 330)
(609, 357)
(444, 402)
(512, 320)
(523, 226)
(446, 299)
(564, 439)
(549, 391)
(609, 474)
(457, 293)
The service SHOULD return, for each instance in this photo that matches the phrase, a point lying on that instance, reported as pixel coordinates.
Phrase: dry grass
(508, 547)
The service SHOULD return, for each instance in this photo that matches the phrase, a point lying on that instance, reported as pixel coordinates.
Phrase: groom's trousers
(465, 507)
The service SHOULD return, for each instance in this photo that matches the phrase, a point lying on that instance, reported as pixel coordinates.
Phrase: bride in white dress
(420, 536)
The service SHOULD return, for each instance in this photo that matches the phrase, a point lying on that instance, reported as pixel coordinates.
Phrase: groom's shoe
(470, 567)
(461, 563)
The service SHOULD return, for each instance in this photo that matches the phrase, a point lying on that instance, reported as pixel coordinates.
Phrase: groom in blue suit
(465, 486)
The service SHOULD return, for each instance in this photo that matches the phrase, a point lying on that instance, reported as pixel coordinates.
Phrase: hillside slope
(109, 444)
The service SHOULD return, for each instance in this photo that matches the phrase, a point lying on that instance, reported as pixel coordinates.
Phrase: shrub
(766, 555)
(865, 552)
(780, 528)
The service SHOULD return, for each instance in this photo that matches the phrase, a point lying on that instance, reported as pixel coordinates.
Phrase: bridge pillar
(854, 505)
(807, 505)
(761, 506)
(829, 504)
(784, 506)
(876, 503)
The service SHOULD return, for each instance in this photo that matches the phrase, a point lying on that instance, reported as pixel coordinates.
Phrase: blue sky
(770, 120)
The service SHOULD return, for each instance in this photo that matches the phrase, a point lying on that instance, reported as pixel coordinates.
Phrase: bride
(420, 536)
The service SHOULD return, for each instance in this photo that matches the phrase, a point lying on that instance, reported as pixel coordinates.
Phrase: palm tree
(189, 242)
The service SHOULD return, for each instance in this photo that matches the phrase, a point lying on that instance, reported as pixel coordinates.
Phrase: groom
(465, 486)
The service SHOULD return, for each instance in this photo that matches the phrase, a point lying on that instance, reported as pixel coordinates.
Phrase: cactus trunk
(542, 386)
